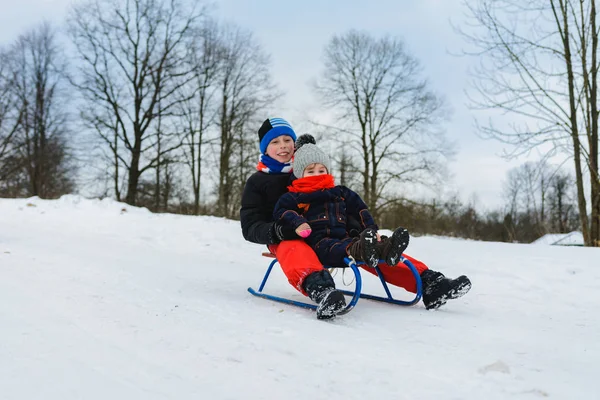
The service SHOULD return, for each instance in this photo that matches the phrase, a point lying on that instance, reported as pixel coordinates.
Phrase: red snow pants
(298, 260)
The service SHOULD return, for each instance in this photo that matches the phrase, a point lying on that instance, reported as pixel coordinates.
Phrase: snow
(101, 300)
(574, 238)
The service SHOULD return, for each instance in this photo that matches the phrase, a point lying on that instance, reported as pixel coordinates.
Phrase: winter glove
(303, 139)
(303, 230)
(283, 232)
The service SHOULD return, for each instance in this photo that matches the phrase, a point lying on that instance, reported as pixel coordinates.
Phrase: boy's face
(281, 148)
(314, 170)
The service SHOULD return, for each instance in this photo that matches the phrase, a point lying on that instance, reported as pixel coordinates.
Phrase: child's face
(314, 170)
(281, 148)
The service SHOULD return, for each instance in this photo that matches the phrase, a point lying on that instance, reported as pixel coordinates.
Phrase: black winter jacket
(327, 212)
(260, 195)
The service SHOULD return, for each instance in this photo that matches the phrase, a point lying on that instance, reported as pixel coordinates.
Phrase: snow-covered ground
(100, 300)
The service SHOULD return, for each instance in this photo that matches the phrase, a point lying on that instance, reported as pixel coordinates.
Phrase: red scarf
(311, 184)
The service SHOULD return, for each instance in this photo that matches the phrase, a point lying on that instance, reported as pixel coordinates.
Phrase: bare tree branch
(382, 107)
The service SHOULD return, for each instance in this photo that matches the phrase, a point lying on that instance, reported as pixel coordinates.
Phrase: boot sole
(370, 248)
(398, 243)
(331, 305)
(460, 290)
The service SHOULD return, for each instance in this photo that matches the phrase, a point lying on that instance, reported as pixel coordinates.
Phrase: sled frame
(356, 294)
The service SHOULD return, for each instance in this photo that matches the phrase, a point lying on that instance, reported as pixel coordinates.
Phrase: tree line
(156, 103)
(538, 199)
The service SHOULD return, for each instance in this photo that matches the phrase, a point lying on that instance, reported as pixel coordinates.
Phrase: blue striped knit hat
(272, 128)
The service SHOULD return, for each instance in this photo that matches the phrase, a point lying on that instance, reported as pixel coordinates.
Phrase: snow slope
(100, 300)
(574, 238)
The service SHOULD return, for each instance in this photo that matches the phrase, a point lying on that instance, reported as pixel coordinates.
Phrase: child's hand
(303, 230)
(378, 237)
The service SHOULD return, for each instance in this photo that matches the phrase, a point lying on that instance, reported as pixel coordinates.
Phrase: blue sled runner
(356, 294)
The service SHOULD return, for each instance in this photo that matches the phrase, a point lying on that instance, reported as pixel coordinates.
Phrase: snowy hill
(100, 300)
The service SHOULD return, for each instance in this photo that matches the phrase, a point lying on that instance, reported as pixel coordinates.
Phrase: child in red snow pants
(298, 260)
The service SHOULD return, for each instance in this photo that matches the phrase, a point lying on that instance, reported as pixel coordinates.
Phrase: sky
(100, 300)
(295, 33)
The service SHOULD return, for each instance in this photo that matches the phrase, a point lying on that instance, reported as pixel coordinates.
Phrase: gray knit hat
(309, 154)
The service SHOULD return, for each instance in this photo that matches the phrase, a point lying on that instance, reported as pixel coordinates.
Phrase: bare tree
(538, 201)
(107, 150)
(245, 88)
(132, 69)
(347, 168)
(535, 180)
(199, 111)
(34, 83)
(10, 117)
(385, 110)
(539, 62)
(526, 191)
(562, 207)
(158, 192)
(165, 137)
(512, 194)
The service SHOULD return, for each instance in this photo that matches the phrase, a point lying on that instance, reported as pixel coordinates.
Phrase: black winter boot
(320, 287)
(364, 248)
(390, 249)
(437, 289)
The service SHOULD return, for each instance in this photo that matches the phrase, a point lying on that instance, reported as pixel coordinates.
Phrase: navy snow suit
(327, 212)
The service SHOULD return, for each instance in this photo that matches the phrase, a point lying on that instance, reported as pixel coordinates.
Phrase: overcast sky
(295, 32)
